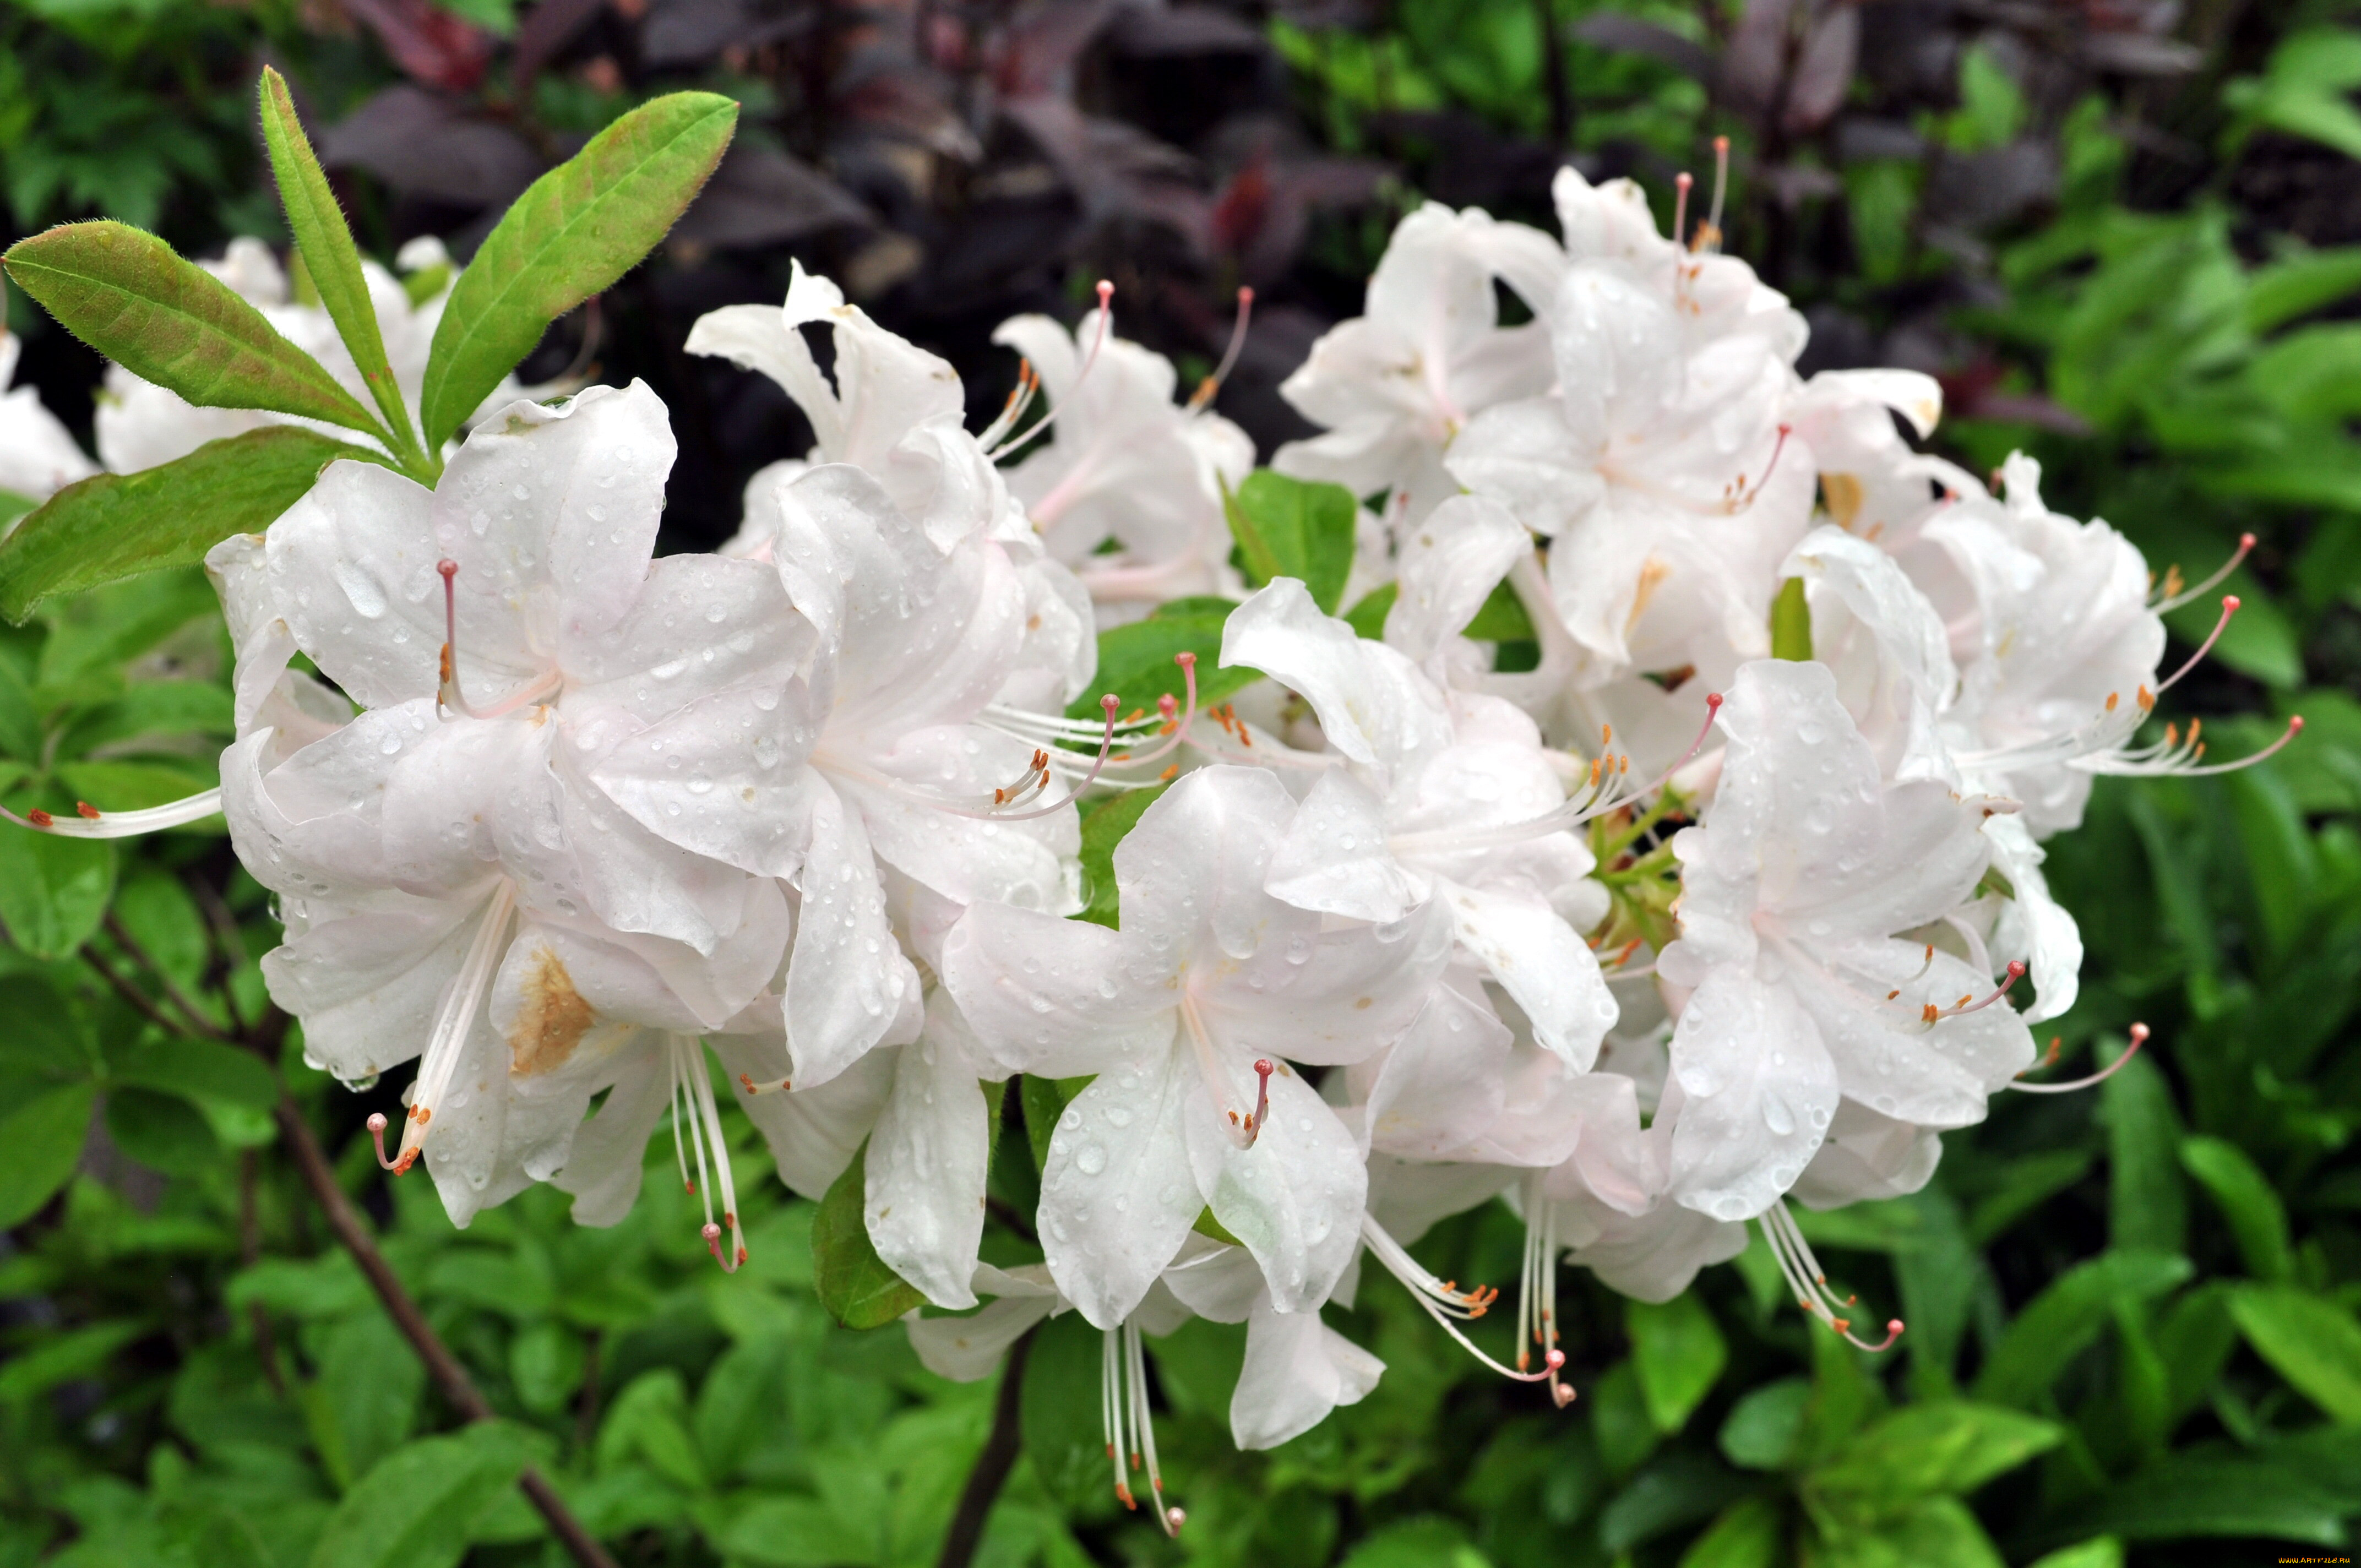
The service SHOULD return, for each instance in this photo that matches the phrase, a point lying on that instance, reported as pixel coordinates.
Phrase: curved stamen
(1212, 385)
(1598, 801)
(2139, 1038)
(1263, 1069)
(2182, 762)
(449, 693)
(1747, 500)
(1964, 1007)
(90, 822)
(439, 1063)
(1444, 1302)
(1020, 398)
(2175, 597)
(2229, 608)
(1106, 315)
(1107, 704)
(376, 1136)
(1177, 718)
(1806, 1277)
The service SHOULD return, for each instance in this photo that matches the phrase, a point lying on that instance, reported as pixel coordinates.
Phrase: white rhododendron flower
(1635, 813)
(37, 456)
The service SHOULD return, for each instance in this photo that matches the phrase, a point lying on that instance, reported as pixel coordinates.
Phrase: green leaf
(2313, 1341)
(853, 1283)
(576, 230)
(160, 1131)
(368, 1391)
(1059, 1410)
(1103, 826)
(2104, 1553)
(1368, 616)
(1748, 1535)
(1292, 528)
(1619, 1418)
(329, 254)
(1944, 1448)
(44, 1138)
(546, 1367)
(2063, 1320)
(1936, 1532)
(62, 1357)
(2201, 1496)
(1762, 1426)
(2148, 1206)
(1428, 1542)
(2256, 1216)
(2299, 283)
(414, 1509)
(1791, 623)
(1135, 663)
(45, 1035)
(112, 526)
(201, 1071)
(1678, 1352)
(53, 891)
(1044, 1101)
(1679, 1486)
(126, 293)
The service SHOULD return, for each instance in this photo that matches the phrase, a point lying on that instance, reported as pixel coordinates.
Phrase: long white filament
(462, 1002)
(692, 1087)
(89, 822)
(1129, 1428)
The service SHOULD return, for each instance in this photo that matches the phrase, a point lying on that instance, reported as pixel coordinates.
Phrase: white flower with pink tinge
(1189, 1014)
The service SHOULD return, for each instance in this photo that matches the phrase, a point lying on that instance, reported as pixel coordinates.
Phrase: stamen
(1106, 317)
(1212, 385)
(1607, 793)
(2229, 608)
(90, 822)
(1749, 498)
(440, 1060)
(1126, 1423)
(1806, 1277)
(2015, 974)
(376, 1137)
(1020, 398)
(1263, 1071)
(1708, 237)
(1681, 184)
(449, 695)
(692, 1084)
(2175, 597)
(1448, 1305)
(2139, 1038)
(1040, 775)
(751, 1087)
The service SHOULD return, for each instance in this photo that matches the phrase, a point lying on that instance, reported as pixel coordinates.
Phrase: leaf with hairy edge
(856, 1286)
(578, 228)
(326, 243)
(112, 526)
(131, 297)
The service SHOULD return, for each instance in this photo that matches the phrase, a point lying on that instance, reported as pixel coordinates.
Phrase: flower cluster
(1726, 892)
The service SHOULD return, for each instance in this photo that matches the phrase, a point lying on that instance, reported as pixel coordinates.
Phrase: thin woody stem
(458, 1389)
(993, 1464)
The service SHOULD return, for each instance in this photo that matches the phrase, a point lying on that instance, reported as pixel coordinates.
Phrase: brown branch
(458, 1389)
(142, 1002)
(249, 1249)
(993, 1464)
(1561, 98)
(197, 1021)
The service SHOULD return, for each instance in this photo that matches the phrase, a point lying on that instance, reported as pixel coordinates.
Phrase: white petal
(1116, 1199)
(1374, 706)
(1297, 1370)
(846, 978)
(1334, 858)
(1759, 1091)
(1221, 1284)
(611, 1150)
(1055, 997)
(1449, 565)
(352, 568)
(966, 1350)
(926, 1163)
(1441, 1085)
(1294, 1198)
(1538, 959)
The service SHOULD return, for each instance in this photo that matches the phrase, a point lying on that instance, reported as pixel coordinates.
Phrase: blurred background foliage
(2122, 232)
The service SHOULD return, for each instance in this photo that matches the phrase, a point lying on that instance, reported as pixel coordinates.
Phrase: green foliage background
(2133, 1329)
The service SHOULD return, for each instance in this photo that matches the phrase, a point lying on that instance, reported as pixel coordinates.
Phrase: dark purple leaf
(1756, 59)
(426, 146)
(1628, 35)
(548, 28)
(2140, 54)
(1117, 172)
(1816, 91)
(431, 45)
(1038, 53)
(761, 196)
(1182, 30)
(1987, 188)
